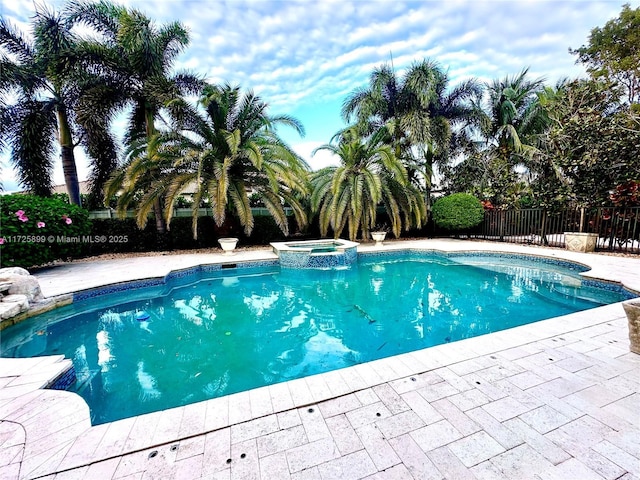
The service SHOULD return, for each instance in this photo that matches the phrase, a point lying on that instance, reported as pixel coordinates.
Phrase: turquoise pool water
(239, 329)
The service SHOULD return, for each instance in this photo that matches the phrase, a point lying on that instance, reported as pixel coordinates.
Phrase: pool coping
(199, 418)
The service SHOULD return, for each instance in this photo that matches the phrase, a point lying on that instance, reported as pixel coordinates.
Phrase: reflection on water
(228, 334)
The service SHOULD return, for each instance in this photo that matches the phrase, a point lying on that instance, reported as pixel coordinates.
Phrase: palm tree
(513, 117)
(227, 151)
(44, 76)
(418, 114)
(139, 57)
(509, 124)
(369, 174)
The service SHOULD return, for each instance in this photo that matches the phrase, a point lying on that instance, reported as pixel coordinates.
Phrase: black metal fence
(618, 229)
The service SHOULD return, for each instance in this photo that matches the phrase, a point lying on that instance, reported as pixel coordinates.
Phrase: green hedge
(456, 212)
(122, 235)
(37, 230)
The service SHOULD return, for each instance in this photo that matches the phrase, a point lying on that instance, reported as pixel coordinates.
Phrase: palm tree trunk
(68, 158)
(161, 224)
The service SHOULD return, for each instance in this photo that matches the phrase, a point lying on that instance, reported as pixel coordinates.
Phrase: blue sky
(304, 57)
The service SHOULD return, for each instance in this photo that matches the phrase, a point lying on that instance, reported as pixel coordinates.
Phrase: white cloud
(301, 53)
(321, 158)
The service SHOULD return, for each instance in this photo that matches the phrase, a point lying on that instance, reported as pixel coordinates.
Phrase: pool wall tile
(258, 264)
(64, 381)
(173, 279)
(306, 259)
(115, 288)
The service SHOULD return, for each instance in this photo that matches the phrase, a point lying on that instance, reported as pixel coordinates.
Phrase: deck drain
(477, 383)
(378, 414)
(174, 448)
(413, 379)
(228, 460)
(310, 410)
(243, 455)
(153, 454)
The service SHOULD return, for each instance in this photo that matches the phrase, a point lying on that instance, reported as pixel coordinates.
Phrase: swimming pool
(202, 335)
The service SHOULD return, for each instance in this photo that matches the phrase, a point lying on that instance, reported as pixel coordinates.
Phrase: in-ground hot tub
(316, 253)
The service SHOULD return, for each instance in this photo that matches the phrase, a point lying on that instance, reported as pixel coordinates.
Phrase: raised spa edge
(316, 253)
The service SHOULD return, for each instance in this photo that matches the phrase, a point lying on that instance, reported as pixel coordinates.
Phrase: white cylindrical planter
(228, 245)
(378, 237)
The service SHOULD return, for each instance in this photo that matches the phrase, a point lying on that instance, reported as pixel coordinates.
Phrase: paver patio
(558, 399)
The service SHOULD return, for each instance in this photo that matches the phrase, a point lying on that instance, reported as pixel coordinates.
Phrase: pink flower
(40, 224)
(2, 240)
(23, 218)
(20, 213)
(68, 221)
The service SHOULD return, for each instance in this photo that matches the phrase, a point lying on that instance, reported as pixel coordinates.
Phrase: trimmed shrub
(456, 212)
(123, 235)
(37, 230)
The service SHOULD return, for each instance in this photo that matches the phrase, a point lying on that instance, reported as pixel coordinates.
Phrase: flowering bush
(36, 230)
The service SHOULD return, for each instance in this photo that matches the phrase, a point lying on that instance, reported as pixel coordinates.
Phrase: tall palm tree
(418, 113)
(509, 124)
(369, 174)
(45, 77)
(513, 116)
(139, 56)
(227, 151)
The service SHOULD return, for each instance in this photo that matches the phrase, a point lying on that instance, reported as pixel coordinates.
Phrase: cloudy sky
(304, 57)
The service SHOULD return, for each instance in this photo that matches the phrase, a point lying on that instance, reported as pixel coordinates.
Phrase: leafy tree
(369, 174)
(46, 78)
(613, 52)
(138, 56)
(416, 112)
(229, 152)
(591, 147)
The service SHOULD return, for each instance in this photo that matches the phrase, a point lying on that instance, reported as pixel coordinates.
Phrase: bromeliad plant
(38, 230)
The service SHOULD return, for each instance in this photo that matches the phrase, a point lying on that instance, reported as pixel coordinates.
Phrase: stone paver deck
(554, 400)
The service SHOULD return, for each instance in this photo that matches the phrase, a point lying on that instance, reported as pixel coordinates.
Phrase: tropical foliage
(591, 146)
(46, 76)
(38, 230)
(223, 152)
(416, 113)
(508, 125)
(138, 57)
(369, 173)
